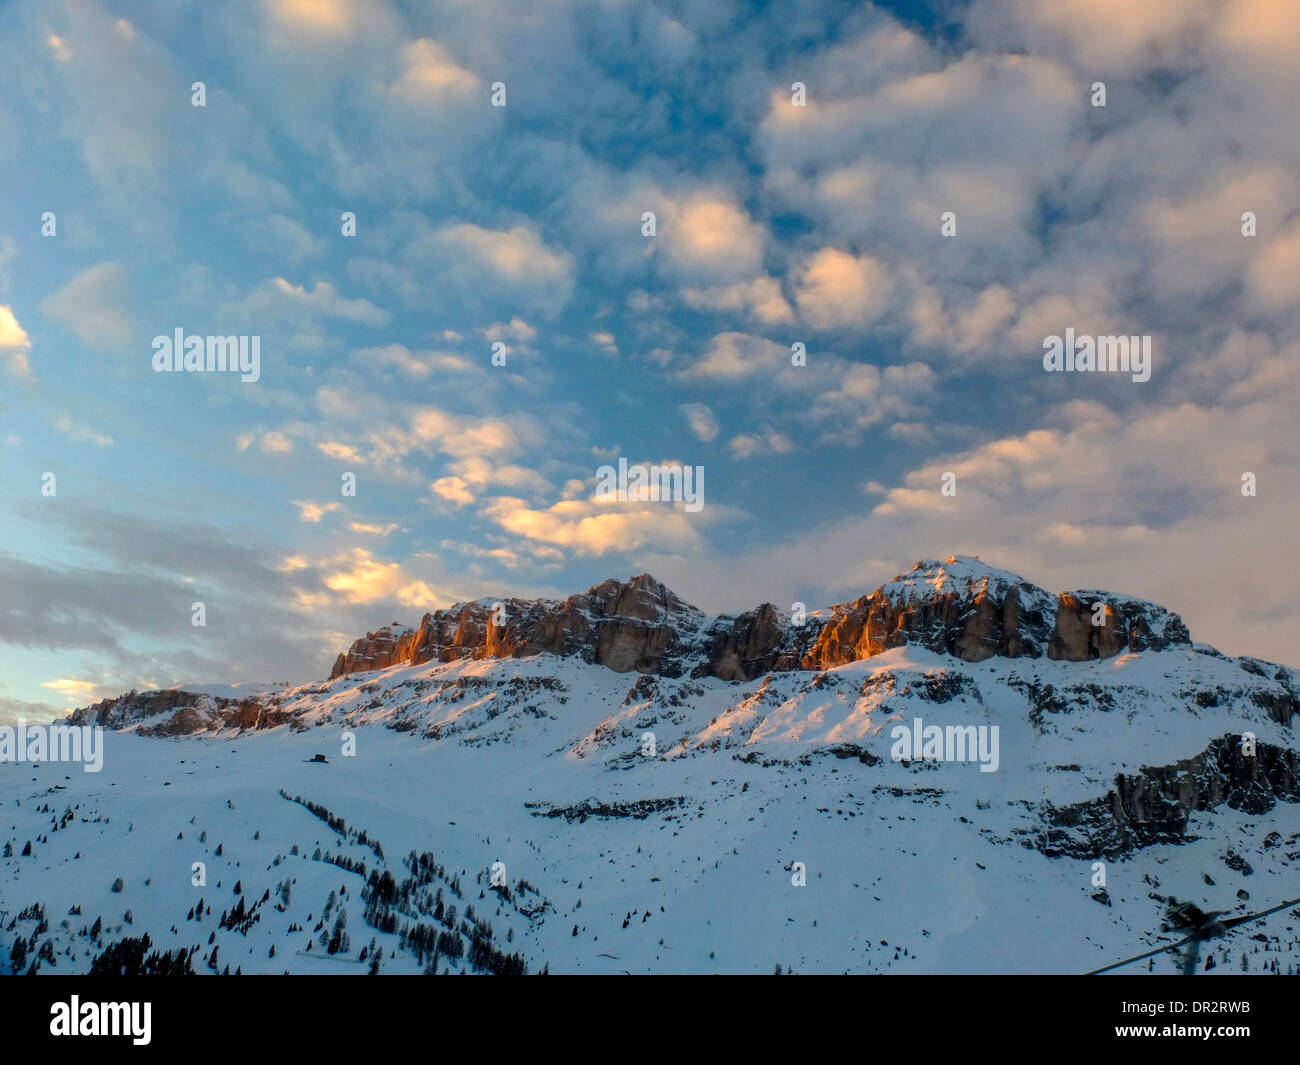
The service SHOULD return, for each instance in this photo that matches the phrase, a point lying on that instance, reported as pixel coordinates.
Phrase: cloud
(273, 442)
(470, 476)
(278, 235)
(867, 395)
(701, 420)
(844, 397)
(19, 711)
(313, 512)
(58, 47)
(482, 472)
(127, 612)
(327, 17)
(732, 356)
(1273, 279)
(276, 443)
(708, 236)
(761, 297)
(606, 342)
(539, 275)
(432, 74)
(413, 363)
(453, 489)
(8, 246)
(767, 442)
(589, 528)
(477, 277)
(1106, 34)
(705, 236)
(14, 346)
(92, 305)
(70, 687)
(340, 451)
(836, 290)
(279, 297)
(359, 577)
(515, 329)
(353, 424)
(80, 433)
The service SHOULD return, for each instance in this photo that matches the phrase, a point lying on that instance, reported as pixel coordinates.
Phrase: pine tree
(339, 940)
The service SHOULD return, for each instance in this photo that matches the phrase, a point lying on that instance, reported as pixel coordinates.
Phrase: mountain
(958, 607)
(958, 772)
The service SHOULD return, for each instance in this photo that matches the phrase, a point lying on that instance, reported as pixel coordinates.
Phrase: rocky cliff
(389, 646)
(637, 625)
(173, 712)
(959, 607)
(1156, 805)
(970, 611)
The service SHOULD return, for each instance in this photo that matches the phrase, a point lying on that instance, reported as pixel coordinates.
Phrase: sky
(778, 222)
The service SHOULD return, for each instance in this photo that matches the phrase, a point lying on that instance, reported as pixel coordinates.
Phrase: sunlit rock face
(963, 608)
(389, 646)
(960, 607)
(634, 625)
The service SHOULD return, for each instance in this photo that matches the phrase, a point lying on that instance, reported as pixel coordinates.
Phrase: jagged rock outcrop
(174, 712)
(635, 625)
(1154, 806)
(962, 608)
(749, 645)
(959, 607)
(389, 646)
(1127, 625)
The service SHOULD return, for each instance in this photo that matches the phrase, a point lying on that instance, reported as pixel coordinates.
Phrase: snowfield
(675, 853)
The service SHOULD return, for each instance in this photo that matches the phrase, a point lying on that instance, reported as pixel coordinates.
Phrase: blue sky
(521, 224)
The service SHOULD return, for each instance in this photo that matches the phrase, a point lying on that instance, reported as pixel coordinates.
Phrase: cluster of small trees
(336, 823)
(484, 957)
(352, 865)
(130, 957)
(388, 900)
(25, 946)
(242, 917)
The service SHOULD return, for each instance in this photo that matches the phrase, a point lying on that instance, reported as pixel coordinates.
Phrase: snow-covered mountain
(617, 783)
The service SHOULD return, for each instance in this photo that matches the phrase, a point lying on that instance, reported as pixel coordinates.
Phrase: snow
(958, 574)
(241, 690)
(466, 758)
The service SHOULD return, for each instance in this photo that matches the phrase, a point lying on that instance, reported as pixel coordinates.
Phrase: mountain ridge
(960, 606)
(670, 786)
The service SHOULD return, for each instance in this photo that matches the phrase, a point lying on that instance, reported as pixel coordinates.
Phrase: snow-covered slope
(671, 820)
